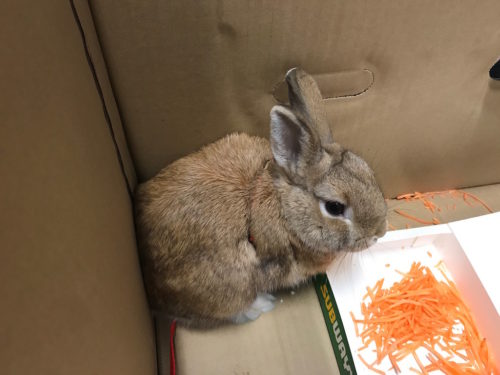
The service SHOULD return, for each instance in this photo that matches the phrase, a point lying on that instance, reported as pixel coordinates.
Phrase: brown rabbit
(220, 228)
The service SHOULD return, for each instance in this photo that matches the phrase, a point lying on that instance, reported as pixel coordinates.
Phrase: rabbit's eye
(334, 208)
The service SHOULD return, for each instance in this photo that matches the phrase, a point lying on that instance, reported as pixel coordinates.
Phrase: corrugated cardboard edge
(334, 325)
(99, 71)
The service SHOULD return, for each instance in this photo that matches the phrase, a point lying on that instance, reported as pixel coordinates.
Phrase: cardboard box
(470, 249)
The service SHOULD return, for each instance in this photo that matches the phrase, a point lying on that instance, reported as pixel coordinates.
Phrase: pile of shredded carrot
(427, 199)
(426, 319)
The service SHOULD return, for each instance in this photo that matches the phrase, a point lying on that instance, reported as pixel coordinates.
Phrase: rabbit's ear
(306, 99)
(294, 144)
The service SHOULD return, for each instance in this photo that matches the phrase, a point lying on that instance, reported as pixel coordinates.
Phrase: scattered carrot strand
(408, 216)
(394, 363)
(479, 201)
(355, 323)
(371, 367)
(464, 196)
(407, 196)
(439, 264)
(427, 200)
(419, 363)
(420, 312)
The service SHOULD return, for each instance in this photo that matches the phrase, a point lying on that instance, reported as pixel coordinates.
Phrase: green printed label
(334, 325)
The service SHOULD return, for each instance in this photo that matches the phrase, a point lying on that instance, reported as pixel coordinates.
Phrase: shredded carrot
(419, 363)
(408, 216)
(388, 265)
(407, 196)
(427, 200)
(371, 367)
(391, 227)
(464, 196)
(479, 201)
(439, 264)
(429, 254)
(420, 312)
(394, 363)
(355, 323)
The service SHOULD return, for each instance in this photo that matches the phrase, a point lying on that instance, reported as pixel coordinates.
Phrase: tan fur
(194, 217)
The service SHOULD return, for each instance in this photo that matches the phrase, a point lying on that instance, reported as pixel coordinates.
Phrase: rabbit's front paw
(263, 303)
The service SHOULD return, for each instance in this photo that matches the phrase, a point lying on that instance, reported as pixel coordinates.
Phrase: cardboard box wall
(417, 103)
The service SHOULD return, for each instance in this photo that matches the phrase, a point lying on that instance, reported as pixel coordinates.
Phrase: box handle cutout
(342, 84)
(495, 71)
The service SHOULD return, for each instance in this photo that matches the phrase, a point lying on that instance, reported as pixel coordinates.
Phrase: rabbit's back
(192, 217)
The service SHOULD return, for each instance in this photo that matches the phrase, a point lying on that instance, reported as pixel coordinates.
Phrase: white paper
(470, 250)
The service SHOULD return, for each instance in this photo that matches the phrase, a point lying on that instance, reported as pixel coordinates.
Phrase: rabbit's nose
(381, 229)
(373, 240)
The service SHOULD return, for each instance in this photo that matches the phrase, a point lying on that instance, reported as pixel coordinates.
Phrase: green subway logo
(334, 325)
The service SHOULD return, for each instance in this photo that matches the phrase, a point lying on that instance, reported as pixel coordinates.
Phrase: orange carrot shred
(355, 323)
(371, 367)
(419, 363)
(427, 200)
(420, 312)
(464, 196)
(394, 363)
(479, 201)
(408, 216)
(439, 264)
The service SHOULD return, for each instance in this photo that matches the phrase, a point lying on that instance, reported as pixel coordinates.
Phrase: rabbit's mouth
(361, 244)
